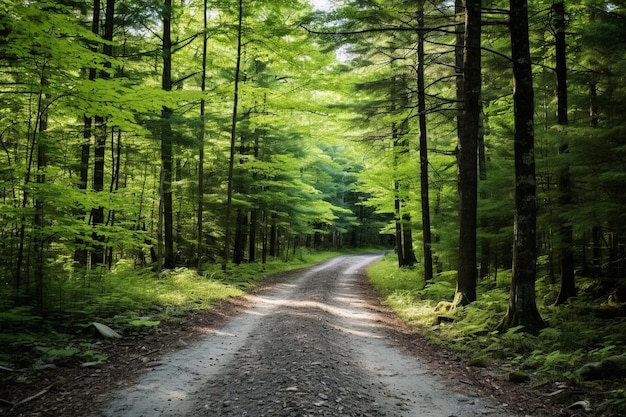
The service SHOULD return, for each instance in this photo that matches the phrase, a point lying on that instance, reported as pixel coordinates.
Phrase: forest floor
(315, 342)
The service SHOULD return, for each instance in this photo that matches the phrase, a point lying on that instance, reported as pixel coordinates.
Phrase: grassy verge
(587, 329)
(130, 300)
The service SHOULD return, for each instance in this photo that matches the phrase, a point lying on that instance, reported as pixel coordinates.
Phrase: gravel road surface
(310, 347)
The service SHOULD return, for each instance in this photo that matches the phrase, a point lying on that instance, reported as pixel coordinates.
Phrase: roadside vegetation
(129, 300)
(563, 358)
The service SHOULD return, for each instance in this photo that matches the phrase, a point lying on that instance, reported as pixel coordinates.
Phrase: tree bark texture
(166, 143)
(100, 135)
(467, 153)
(423, 140)
(568, 283)
(201, 138)
(522, 310)
(80, 255)
(233, 139)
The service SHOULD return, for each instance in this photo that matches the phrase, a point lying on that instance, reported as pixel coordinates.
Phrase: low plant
(575, 334)
(131, 300)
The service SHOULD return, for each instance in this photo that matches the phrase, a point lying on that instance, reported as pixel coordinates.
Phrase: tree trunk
(254, 213)
(485, 245)
(596, 253)
(423, 140)
(233, 138)
(201, 137)
(241, 223)
(568, 283)
(522, 310)
(116, 157)
(398, 234)
(273, 243)
(407, 240)
(254, 225)
(264, 240)
(39, 221)
(593, 104)
(97, 213)
(80, 255)
(166, 143)
(467, 153)
(100, 134)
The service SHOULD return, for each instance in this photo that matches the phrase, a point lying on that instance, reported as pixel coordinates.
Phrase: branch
(5, 403)
(500, 54)
(441, 28)
(145, 354)
(184, 42)
(180, 80)
(33, 397)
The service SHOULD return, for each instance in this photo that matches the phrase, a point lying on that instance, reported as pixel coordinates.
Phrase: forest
(483, 143)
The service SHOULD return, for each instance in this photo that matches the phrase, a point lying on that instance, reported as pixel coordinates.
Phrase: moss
(518, 377)
(478, 362)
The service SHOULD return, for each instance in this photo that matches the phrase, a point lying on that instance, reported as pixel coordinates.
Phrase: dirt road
(310, 347)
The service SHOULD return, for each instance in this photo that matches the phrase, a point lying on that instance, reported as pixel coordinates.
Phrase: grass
(574, 336)
(128, 299)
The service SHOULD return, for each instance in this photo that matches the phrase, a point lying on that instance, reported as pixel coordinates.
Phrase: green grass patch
(130, 300)
(575, 336)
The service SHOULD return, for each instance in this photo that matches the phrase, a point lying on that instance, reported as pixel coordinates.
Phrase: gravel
(313, 346)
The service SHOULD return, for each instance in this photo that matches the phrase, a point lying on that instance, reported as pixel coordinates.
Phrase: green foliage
(574, 336)
(130, 300)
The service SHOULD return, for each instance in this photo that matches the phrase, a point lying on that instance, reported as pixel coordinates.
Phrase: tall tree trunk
(568, 283)
(97, 213)
(467, 153)
(22, 278)
(201, 137)
(39, 221)
(522, 310)
(166, 143)
(80, 255)
(233, 139)
(423, 140)
(116, 157)
(101, 132)
(253, 214)
(485, 246)
(404, 235)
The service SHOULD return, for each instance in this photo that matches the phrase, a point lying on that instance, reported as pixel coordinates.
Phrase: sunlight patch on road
(357, 332)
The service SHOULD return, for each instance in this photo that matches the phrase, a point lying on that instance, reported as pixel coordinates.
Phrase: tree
(166, 143)
(522, 309)
(233, 137)
(423, 146)
(100, 134)
(201, 138)
(568, 284)
(467, 153)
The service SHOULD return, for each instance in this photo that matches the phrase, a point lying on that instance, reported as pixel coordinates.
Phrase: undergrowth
(130, 300)
(574, 337)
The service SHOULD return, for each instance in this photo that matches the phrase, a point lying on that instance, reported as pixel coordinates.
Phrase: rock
(105, 331)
